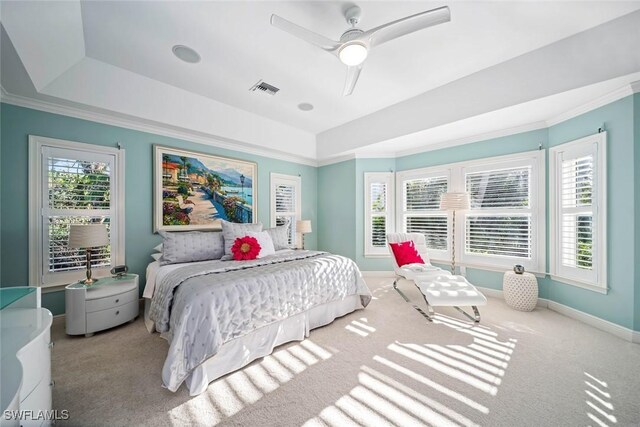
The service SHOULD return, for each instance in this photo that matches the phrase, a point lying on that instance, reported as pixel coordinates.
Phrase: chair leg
(430, 311)
(475, 318)
(395, 283)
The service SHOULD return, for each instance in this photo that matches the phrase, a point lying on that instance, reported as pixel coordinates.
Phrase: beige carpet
(385, 365)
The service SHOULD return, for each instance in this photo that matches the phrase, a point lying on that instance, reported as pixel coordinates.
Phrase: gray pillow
(231, 231)
(190, 246)
(280, 236)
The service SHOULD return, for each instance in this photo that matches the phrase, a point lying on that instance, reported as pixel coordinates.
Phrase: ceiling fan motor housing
(351, 34)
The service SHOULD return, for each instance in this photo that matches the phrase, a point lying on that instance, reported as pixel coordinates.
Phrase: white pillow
(156, 256)
(231, 231)
(265, 242)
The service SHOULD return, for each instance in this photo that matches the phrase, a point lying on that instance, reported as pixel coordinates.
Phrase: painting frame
(171, 201)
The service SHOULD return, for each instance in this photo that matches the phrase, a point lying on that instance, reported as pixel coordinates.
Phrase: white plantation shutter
(499, 222)
(286, 203)
(77, 184)
(378, 199)
(505, 221)
(578, 210)
(421, 210)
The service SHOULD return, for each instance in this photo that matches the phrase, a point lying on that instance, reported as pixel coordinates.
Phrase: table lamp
(88, 236)
(454, 202)
(303, 227)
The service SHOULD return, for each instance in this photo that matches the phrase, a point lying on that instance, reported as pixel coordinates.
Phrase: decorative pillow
(279, 236)
(231, 231)
(245, 248)
(156, 256)
(190, 246)
(406, 253)
(158, 248)
(265, 242)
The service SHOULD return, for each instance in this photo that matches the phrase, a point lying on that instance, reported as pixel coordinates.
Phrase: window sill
(579, 284)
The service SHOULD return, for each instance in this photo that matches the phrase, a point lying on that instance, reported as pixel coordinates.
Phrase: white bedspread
(200, 306)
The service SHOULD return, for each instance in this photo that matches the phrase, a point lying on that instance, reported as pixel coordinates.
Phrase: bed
(218, 316)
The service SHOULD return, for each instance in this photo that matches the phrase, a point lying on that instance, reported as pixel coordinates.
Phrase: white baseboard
(604, 325)
(496, 293)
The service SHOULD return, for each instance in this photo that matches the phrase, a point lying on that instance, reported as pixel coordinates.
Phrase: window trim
(599, 149)
(387, 178)
(276, 178)
(457, 183)
(537, 160)
(437, 256)
(36, 198)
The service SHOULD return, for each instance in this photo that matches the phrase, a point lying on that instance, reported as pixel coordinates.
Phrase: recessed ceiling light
(305, 106)
(186, 54)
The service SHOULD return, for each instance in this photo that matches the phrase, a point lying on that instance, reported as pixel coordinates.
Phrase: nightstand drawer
(105, 303)
(105, 319)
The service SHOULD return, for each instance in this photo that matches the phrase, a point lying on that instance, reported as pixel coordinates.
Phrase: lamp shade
(303, 226)
(88, 235)
(454, 201)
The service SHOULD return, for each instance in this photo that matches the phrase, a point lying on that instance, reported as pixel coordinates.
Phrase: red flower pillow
(245, 248)
(406, 253)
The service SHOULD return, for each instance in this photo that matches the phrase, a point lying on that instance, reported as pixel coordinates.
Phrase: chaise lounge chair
(438, 287)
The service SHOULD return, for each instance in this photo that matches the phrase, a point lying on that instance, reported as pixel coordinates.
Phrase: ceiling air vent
(264, 87)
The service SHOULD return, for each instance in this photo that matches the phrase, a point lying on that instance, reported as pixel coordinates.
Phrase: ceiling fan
(354, 44)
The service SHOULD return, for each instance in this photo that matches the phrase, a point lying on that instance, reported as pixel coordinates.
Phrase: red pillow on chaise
(406, 253)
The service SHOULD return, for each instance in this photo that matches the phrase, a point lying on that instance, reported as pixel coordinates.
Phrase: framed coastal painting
(194, 191)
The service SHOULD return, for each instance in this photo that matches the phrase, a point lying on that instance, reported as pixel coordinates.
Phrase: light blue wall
(618, 305)
(336, 208)
(17, 123)
(622, 304)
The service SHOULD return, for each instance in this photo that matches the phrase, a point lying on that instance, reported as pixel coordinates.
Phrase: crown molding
(622, 92)
(337, 159)
(474, 138)
(157, 129)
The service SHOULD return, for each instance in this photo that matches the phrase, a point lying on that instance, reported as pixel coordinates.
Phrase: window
(419, 208)
(578, 209)
(73, 183)
(286, 202)
(505, 223)
(378, 210)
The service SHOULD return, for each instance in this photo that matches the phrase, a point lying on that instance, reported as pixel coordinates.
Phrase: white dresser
(25, 365)
(107, 303)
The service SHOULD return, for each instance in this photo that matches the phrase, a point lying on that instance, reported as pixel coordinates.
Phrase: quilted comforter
(198, 308)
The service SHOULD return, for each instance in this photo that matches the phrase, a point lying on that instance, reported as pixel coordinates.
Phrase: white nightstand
(107, 303)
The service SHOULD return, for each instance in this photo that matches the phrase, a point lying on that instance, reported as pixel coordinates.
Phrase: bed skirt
(241, 351)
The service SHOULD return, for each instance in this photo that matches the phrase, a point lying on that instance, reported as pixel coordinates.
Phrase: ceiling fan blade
(304, 34)
(352, 77)
(404, 26)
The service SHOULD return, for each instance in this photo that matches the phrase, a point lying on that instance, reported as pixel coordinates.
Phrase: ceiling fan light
(352, 54)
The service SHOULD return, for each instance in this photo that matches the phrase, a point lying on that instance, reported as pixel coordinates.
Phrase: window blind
(576, 192)
(499, 222)
(378, 212)
(78, 192)
(378, 209)
(286, 209)
(421, 205)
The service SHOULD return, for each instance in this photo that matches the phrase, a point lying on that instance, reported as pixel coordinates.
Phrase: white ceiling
(238, 47)
(121, 62)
